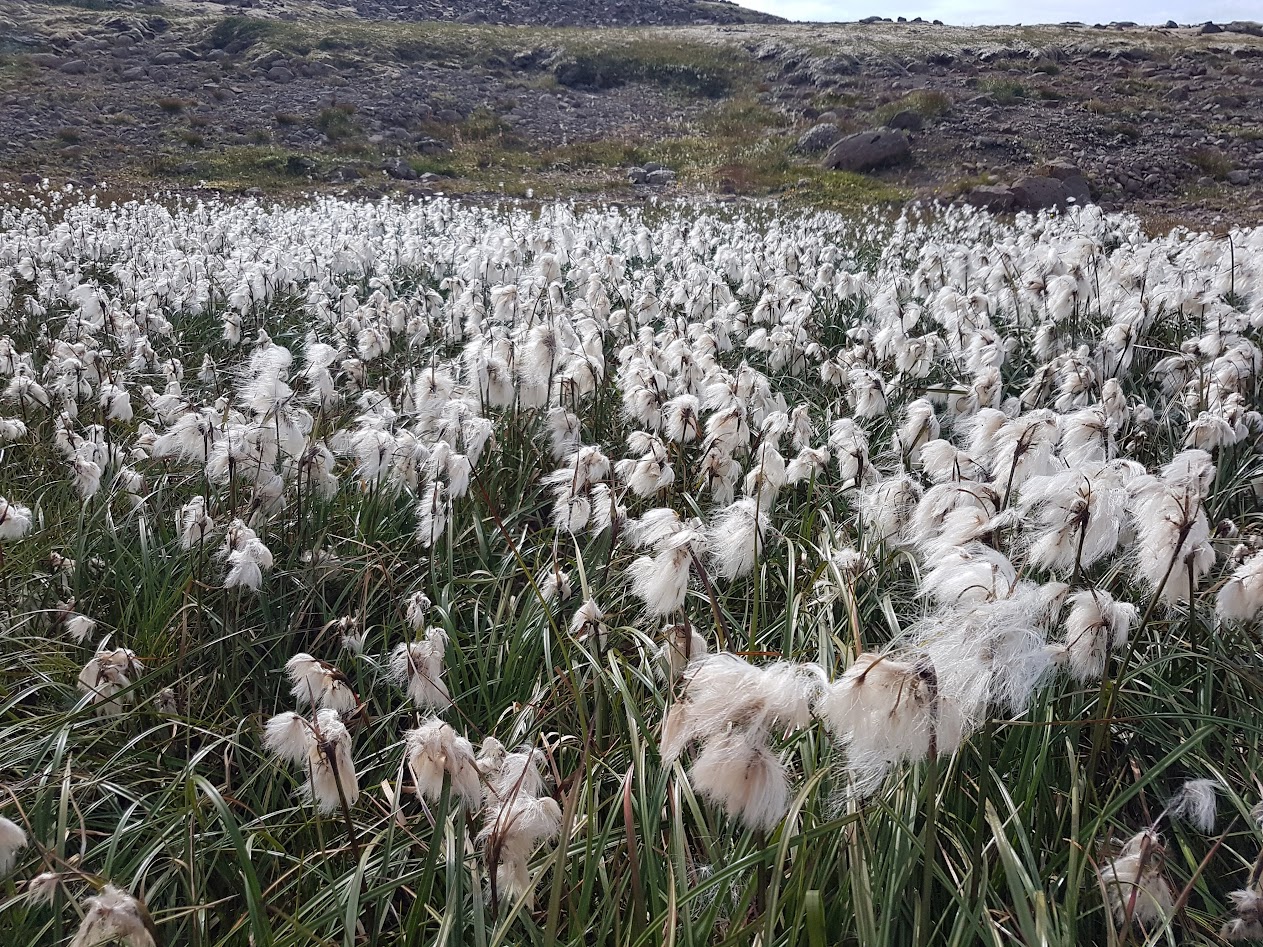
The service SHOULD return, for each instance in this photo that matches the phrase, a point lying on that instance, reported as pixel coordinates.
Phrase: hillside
(500, 12)
(1165, 121)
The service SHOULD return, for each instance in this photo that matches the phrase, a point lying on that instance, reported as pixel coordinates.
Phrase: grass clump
(1211, 161)
(241, 32)
(693, 68)
(928, 103)
(1003, 91)
(337, 122)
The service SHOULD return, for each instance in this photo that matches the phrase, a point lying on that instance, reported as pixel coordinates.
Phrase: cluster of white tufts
(1037, 433)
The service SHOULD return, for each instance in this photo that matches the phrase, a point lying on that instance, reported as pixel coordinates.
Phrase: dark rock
(1077, 189)
(280, 74)
(431, 146)
(818, 138)
(344, 173)
(907, 120)
(76, 67)
(637, 175)
(400, 170)
(1244, 26)
(448, 116)
(866, 151)
(1061, 169)
(1238, 177)
(1035, 193)
(1171, 25)
(991, 197)
(168, 58)
(1209, 27)
(133, 74)
(299, 165)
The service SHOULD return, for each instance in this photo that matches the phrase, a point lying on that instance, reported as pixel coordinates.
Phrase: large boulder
(991, 197)
(1060, 169)
(867, 151)
(1036, 193)
(1248, 27)
(818, 138)
(908, 120)
(1077, 189)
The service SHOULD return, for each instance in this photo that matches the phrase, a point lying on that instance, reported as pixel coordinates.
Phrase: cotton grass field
(426, 573)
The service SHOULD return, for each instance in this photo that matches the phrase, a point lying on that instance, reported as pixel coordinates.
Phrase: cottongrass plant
(976, 500)
(114, 916)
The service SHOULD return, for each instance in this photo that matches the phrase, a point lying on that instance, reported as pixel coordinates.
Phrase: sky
(976, 12)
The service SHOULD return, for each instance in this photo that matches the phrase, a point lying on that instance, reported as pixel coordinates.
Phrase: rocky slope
(519, 12)
(1167, 121)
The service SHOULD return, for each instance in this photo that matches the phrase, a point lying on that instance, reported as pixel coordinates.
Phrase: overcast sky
(973, 12)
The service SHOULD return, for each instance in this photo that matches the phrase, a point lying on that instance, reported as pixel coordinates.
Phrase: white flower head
(106, 675)
(114, 915)
(1134, 885)
(15, 520)
(418, 667)
(435, 752)
(12, 841)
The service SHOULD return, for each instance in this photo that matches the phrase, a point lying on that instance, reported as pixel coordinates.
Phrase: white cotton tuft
(417, 609)
(920, 426)
(969, 574)
(331, 771)
(681, 645)
(12, 841)
(105, 676)
(1240, 598)
(1078, 518)
(555, 585)
(79, 627)
(288, 736)
(723, 692)
(1134, 884)
(194, 523)
(1172, 537)
(1196, 803)
(435, 751)
(114, 915)
(319, 684)
(1247, 924)
(418, 667)
(661, 581)
(510, 836)
(1096, 625)
(882, 711)
(736, 538)
(587, 622)
(15, 520)
(740, 773)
